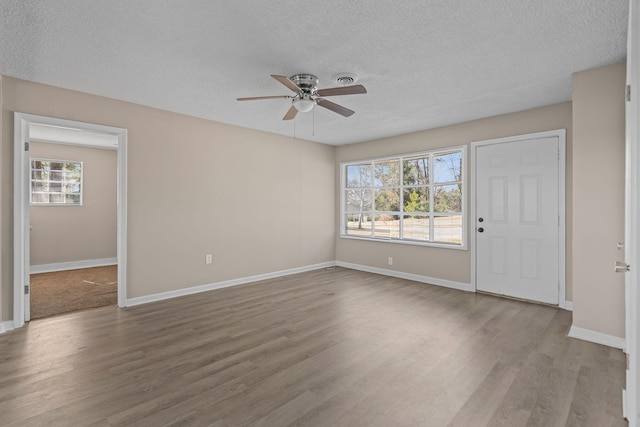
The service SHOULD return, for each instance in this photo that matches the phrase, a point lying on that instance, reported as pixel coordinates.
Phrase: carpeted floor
(64, 291)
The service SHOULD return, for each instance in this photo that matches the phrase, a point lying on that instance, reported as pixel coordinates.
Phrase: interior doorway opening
(73, 224)
(30, 129)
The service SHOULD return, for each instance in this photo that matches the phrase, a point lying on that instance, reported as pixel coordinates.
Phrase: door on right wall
(517, 224)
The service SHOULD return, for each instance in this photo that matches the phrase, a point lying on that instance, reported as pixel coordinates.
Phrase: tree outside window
(416, 198)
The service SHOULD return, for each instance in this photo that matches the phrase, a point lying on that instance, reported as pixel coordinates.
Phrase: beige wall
(77, 233)
(258, 202)
(4, 186)
(221, 201)
(598, 198)
(447, 264)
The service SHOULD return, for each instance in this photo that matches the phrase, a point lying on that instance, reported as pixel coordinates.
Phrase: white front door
(517, 221)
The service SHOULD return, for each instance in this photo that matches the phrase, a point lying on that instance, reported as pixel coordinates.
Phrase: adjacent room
(319, 213)
(73, 227)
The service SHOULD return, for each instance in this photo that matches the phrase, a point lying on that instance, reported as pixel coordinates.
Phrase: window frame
(64, 182)
(431, 214)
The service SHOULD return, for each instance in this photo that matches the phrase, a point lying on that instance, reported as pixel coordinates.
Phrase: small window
(416, 198)
(56, 182)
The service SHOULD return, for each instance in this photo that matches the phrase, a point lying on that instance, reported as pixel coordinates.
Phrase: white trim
(72, 136)
(6, 326)
(624, 404)
(73, 265)
(409, 242)
(21, 268)
(224, 284)
(408, 276)
(472, 216)
(439, 150)
(596, 337)
(561, 134)
(122, 217)
(568, 305)
(562, 212)
(20, 218)
(631, 396)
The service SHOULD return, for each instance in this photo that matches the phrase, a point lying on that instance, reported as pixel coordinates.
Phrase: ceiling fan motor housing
(308, 83)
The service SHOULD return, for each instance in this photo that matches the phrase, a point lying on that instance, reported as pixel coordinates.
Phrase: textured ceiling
(424, 63)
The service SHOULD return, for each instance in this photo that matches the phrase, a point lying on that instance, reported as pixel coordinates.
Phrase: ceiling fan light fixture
(303, 105)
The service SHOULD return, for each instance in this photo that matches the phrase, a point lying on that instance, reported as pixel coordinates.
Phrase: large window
(417, 198)
(56, 182)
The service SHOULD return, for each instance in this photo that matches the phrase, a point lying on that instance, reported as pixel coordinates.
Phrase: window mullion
(401, 201)
(373, 200)
(431, 202)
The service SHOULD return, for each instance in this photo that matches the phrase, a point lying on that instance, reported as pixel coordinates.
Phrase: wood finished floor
(325, 348)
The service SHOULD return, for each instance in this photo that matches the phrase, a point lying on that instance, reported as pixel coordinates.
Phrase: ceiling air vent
(345, 79)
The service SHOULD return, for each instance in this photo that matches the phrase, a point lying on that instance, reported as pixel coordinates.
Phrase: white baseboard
(568, 305)
(224, 284)
(6, 326)
(409, 276)
(596, 337)
(73, 265)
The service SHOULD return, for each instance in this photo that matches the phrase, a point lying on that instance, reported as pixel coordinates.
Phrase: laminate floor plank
(331, 347)
(521, 397)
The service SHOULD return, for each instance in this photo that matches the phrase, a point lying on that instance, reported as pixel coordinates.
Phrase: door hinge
(26, 146)
(26, 289)
(628, 94)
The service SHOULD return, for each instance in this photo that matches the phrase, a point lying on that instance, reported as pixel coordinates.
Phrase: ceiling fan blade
(285, 81)
(345, 90)
(291, 113)
(254, 98)
(335, 107)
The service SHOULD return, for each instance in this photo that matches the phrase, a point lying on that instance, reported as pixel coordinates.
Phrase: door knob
(480, 230)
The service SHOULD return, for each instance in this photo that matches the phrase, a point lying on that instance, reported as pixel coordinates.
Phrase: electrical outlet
(390, 261)
(208, 259)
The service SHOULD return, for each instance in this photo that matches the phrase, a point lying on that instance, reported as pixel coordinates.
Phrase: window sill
(462, 247)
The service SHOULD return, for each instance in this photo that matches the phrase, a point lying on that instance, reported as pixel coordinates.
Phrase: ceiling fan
(307, 95)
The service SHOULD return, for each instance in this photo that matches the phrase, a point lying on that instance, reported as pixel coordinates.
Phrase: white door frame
(561, 134)
(21, 226)
(631, 396)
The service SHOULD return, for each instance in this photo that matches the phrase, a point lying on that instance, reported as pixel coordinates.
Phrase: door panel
(499, 199)
(517, 225)
(530, 200)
